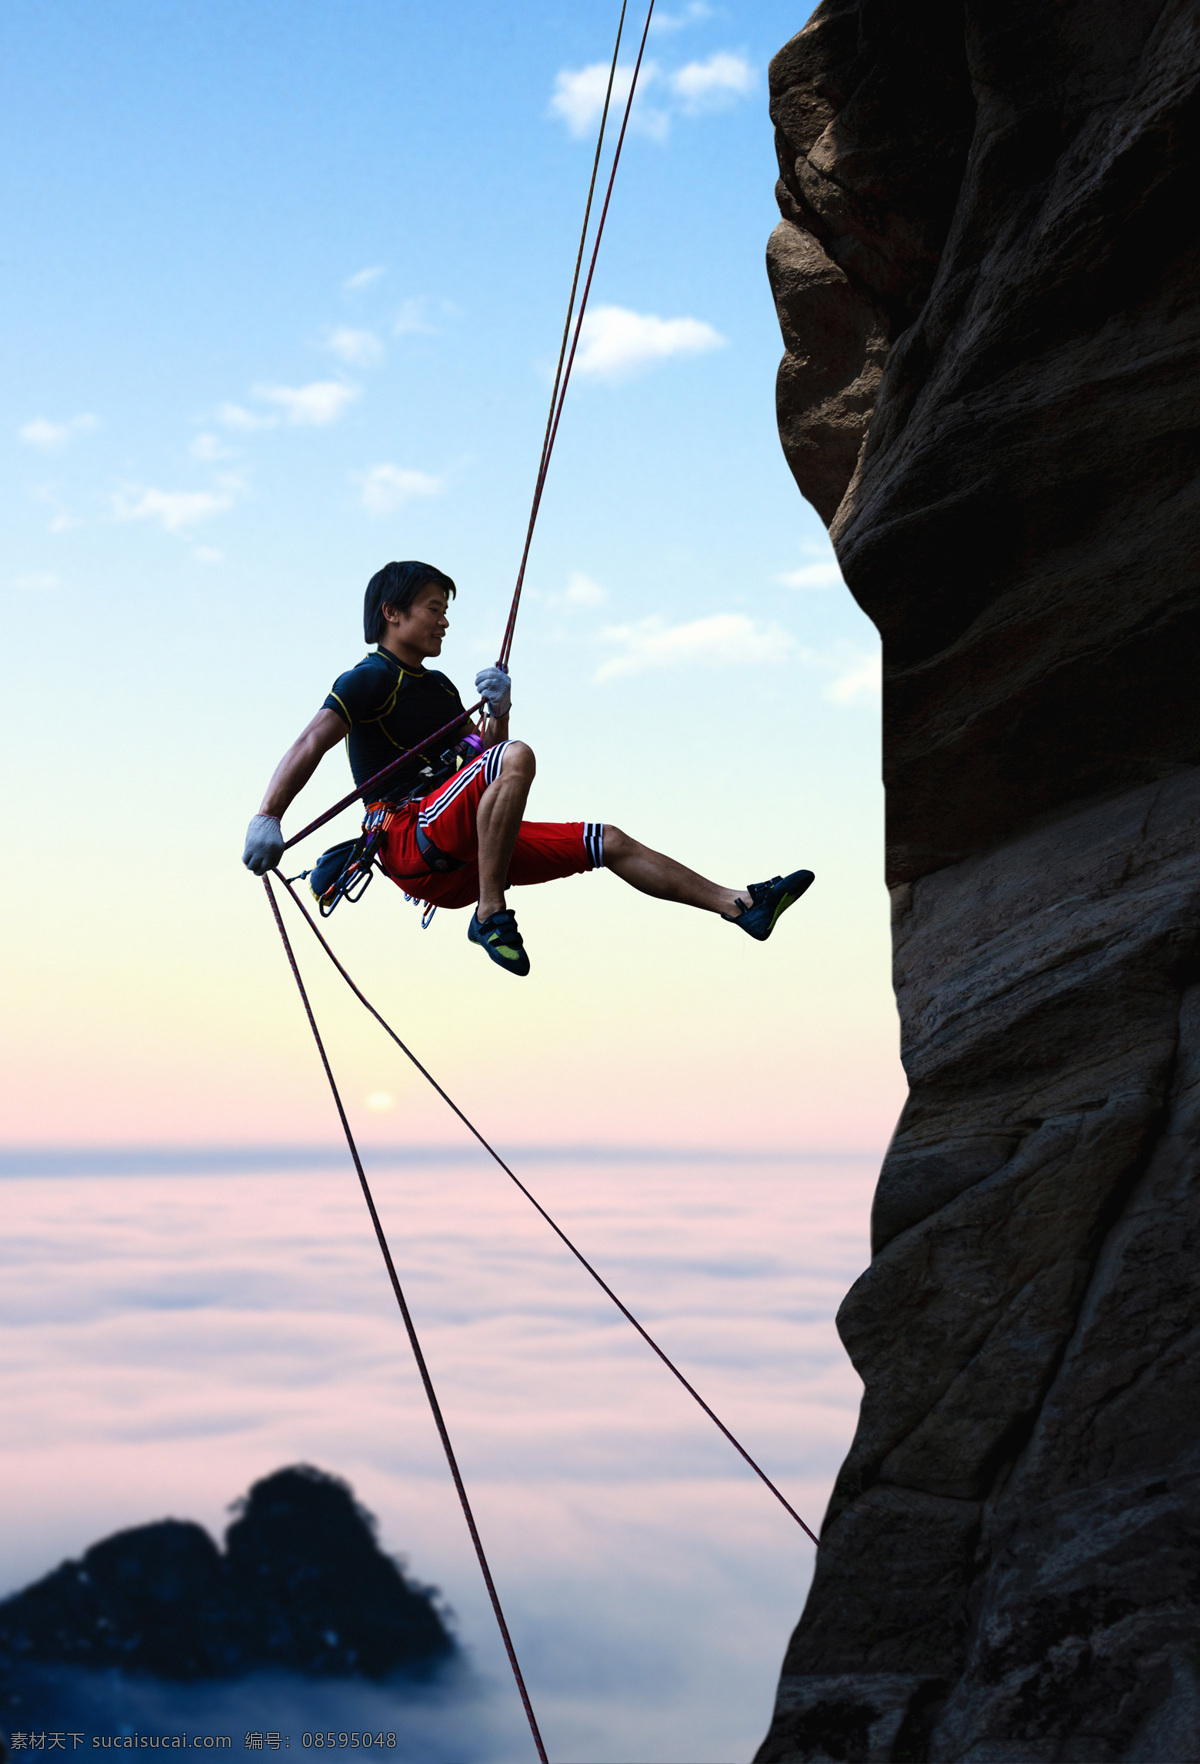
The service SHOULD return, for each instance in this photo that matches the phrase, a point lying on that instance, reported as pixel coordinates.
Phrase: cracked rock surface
(986, 276)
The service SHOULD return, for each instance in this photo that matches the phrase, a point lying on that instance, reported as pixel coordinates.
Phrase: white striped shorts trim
(489, 764)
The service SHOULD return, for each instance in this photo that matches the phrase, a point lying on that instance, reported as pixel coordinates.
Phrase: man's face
(421, 628)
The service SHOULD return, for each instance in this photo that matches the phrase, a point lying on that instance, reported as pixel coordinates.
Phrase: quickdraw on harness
(344, 872)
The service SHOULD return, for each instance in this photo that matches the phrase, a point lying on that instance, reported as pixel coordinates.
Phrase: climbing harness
(344, 872)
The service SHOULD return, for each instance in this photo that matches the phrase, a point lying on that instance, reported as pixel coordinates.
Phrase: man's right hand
(495, 688)
(264, 844)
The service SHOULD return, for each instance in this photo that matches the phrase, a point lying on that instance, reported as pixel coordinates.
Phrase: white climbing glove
(495, 688)
(264, 844)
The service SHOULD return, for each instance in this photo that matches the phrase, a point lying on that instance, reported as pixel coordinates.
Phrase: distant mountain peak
(302, 1586)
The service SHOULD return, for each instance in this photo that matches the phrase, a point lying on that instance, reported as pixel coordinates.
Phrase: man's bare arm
(301, 761)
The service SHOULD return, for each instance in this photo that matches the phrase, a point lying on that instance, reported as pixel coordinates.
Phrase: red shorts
(544, 850)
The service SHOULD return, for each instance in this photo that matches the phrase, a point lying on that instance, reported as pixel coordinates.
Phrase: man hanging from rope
(453, 834)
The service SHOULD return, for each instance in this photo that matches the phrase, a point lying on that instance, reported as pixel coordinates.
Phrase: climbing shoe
(502, 941)
(768, 900)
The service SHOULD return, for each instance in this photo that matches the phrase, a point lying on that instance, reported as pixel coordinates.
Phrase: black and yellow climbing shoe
(768, 901)
(502, 941)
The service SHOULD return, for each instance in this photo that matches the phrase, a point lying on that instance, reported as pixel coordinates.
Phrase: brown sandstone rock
(987, 283)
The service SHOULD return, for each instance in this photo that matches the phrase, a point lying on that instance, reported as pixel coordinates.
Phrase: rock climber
(454, 833)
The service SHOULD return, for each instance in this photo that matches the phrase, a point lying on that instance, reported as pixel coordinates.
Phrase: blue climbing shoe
(501, 940)
(768, 901)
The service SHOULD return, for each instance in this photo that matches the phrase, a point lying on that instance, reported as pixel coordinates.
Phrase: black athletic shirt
(391, 708)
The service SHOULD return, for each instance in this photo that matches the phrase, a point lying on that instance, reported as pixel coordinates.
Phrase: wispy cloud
(176, 511)
(860, 683)
(713, 84)
(852, 675)
(616, 342)
(210, 447)
(36, 582)
(61, 517)
(236, 416)
(721, 640)
(692, 90)
(665, 23)
(582, 591)
(387, 487)
(357, 348)
(363, 278)
(311, 406)
(578, 98)
(413, 318)
(49, 437)
(823, 572)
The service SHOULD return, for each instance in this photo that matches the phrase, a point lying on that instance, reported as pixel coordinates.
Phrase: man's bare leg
(499, 821)
(652, 873)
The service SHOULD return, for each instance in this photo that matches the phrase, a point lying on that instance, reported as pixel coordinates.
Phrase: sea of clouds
(167, 1339)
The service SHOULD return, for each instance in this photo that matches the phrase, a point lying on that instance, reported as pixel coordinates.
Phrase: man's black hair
(397, 585)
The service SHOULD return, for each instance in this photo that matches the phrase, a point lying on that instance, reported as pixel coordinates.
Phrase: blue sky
(283, 290)
(283, 287)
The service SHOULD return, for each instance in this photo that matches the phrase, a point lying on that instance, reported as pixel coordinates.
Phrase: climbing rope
(568, 348)
(538, 1207)
(372, 786)
(562, 379)
(414, 1342)
(559, 393)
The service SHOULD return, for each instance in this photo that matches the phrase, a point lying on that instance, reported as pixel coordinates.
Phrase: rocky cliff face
(987, 280)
